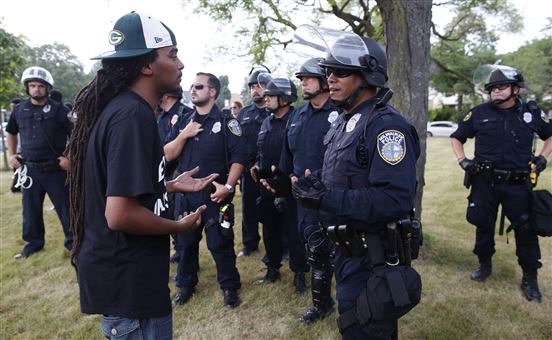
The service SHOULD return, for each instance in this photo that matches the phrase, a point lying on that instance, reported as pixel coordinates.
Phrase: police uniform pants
(53, 183)
(221, 246)
(250, 222)
(482, 212)
(276, 225)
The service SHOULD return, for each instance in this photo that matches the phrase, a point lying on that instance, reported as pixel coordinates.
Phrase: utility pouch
(346, 240)
(468, 179)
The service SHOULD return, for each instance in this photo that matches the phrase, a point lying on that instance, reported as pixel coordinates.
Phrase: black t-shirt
(122, 274)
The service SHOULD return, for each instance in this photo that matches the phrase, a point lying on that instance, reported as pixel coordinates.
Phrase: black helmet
(283, 88)
(359, 53)
(310, 68)
(504, 75)
(254, 74)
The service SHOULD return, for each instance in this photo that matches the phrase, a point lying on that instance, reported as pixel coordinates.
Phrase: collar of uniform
(213, 114)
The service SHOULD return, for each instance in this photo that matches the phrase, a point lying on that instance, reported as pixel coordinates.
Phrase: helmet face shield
(311, 69)
(486, 76)
(281, 87)
(338, 48)
(263, 78)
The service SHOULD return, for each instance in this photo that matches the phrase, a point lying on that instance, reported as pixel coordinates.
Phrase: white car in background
(441, 128)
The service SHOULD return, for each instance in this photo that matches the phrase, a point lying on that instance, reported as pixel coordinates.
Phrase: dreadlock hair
(115, 76)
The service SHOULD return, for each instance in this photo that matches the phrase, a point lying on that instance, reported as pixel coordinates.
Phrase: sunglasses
(500, 87)
(338, 72)
(198, 86)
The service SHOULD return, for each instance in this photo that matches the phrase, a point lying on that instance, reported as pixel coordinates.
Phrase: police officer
(251, 118)
(368, 176)
(207, 139)
(500, 171)
(278, 215)
(43, 127)
(170, 110)
(304, 149)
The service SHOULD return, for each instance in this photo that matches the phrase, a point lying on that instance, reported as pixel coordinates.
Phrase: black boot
(321, 297)
(530, 285)
(483, 271)
(299, 283)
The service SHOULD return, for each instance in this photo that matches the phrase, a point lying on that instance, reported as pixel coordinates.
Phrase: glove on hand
(469, 166)
(278, 181)
(308, 191)
(539, 162)
(280, 204)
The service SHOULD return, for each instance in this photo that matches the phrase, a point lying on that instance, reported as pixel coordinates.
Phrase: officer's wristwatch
(230, 188)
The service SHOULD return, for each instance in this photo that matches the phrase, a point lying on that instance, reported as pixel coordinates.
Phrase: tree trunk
(407, 27)
(460, 103)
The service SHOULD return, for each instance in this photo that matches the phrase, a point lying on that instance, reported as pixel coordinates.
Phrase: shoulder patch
(391, 146)
(468, 116)
(234, 127)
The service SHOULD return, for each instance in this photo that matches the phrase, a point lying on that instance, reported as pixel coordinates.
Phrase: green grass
(39, 295)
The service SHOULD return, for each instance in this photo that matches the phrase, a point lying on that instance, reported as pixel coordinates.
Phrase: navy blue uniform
(43, 134)
(370, 173)
(167, 119)
(121, 274)
(304, 149)
(220, 139)
(504, 138)
(250, 118)
(275, 222)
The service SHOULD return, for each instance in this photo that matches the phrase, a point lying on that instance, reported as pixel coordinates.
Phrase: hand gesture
(185, 182)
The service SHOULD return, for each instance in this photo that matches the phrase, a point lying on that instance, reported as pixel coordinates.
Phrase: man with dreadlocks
(117, 185)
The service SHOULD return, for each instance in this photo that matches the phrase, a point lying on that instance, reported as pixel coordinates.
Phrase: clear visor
(316, 42)
(482, 75)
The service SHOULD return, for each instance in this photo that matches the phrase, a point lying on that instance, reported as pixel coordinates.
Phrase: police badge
(391, 146)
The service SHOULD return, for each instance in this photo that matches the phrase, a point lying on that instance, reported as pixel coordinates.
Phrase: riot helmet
(310, 68)
(283, 88)
(255, 72)
(37, 73)
(504, 75)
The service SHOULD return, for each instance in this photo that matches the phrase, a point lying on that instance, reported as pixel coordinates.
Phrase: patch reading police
(527, 117)
(235, 127)
(468, 116)
(391, 146)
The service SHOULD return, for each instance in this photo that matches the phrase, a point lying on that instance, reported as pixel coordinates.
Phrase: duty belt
(510, 176)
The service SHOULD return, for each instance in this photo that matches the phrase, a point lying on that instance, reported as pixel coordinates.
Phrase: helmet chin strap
(347, 102)
(497, 102)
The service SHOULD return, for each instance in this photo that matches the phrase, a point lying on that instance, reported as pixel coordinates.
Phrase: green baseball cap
(136, 34)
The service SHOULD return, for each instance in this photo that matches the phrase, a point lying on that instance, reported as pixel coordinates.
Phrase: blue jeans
(118, 328)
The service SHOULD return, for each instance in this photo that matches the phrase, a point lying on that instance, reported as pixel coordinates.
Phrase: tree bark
(407, 26)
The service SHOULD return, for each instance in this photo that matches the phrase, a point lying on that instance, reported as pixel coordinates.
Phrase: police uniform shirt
(43, 129)
(168, 118)
(271, 139)
(370, 173)
(304, 147)
(251, 118)
(207, 148)
(504, 137)
(123, 274)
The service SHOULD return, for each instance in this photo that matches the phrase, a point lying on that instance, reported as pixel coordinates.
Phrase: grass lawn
(39, 295)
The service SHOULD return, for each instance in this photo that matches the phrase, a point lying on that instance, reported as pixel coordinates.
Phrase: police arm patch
(468, 116)
(391, 146)
(235, 127)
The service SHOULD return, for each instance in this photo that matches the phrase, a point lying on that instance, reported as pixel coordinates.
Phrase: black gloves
(280, 204)
(308, 191)
(277, 180)
(539, 162)
(469, 165)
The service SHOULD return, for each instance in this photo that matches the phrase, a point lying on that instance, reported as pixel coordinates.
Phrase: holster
(347, 240)
(468, 179)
